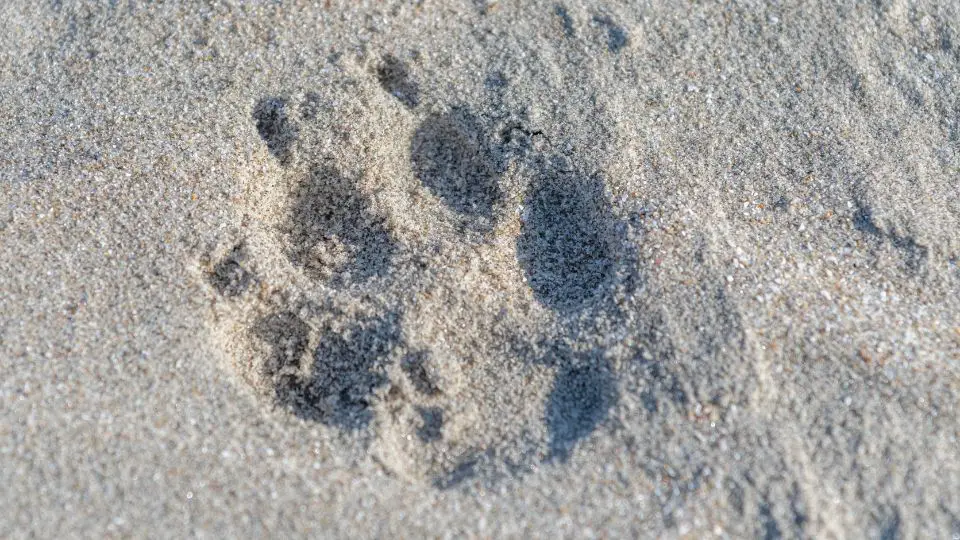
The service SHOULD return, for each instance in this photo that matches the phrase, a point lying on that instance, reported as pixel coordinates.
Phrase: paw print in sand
(420, 275)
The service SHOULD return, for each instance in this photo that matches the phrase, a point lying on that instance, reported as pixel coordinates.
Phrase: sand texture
(480, 268)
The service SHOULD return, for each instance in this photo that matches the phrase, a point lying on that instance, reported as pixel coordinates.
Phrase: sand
(479, 268)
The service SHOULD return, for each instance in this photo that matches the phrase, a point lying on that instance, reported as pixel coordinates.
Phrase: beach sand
(480, 268)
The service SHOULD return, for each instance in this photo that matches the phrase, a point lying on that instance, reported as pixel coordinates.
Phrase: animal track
(579, 401)
(229, 277)
(333, 234)
(450, 156)
(384, 332)
(347, 366)
(562, 245)
(616, 36)
(274, 127)
(394, 77)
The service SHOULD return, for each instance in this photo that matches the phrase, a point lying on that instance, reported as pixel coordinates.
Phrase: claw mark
(914, 254)
(413, 366)
(431, 429)
(394, 77)
(565, 20)
(616, 36)
(229, 276)
(275, 127)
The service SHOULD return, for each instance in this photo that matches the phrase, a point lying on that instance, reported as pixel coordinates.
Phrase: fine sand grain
(485, 268)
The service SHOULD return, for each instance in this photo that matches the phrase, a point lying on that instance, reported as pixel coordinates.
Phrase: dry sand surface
(485, 268)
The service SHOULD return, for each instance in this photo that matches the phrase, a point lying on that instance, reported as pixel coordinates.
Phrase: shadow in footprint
(333, 233)
(346, 367)
(662, 388)
(229, 277)
(451, 158)
(563, 245)
(566, 21)
(275, 127)
(431, 428)
(581, 399)
(288, 337)
(914, 255)
(394, 77)
(616, 36)
(414, 366)
(469, 467)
